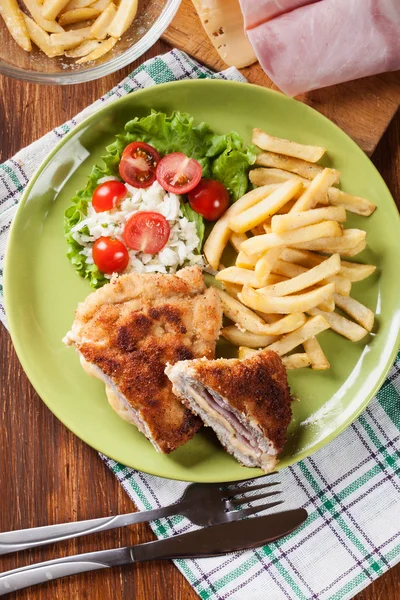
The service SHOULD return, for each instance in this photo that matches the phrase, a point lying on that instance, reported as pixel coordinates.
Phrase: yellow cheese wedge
(223, 23)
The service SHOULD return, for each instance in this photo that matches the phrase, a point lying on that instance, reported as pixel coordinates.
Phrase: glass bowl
(152, 19)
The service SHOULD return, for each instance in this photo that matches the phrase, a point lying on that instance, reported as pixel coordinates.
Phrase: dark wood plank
(373, 99)
(47, 475)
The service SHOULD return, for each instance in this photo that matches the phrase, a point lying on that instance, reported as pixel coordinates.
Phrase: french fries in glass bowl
(73, 41)
(291, 279)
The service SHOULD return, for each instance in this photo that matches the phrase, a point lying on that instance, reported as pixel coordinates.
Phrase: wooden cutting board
(362, 108)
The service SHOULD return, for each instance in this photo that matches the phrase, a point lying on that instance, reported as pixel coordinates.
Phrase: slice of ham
(329, 42)
(257, 12)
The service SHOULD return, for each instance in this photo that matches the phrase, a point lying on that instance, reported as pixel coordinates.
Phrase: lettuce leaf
(222, 157)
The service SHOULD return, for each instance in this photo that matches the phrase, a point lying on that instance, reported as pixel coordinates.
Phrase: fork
(203, 504)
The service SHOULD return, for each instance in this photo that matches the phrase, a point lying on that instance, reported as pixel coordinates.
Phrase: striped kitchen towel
(351, 488)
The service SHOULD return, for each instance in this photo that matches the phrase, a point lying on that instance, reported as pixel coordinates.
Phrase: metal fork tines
(203, 504)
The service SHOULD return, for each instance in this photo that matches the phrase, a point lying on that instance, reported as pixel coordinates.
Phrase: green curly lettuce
(222, 157)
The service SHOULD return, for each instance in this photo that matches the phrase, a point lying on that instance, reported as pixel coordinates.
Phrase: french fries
(279, 276)
(295, 220)
(360, 313)
(305, 280)
(281, 146)
(47, 25)
(15, 23)
(312, 234)
(262, 210)
(341, 325)
(126, 13)
(296, 361)
(220, 233)
(246, 338)
(299, 166)
(83, 29)
(286, 304)
(336, 197)
(316, 191)
(318, 360)
(288, 342)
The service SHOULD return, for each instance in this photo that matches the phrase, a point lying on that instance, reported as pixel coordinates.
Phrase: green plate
(42, 289)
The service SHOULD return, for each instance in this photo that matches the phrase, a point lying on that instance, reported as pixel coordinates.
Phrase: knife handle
(43, 572)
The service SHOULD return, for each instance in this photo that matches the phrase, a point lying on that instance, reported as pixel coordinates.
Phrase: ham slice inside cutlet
(127, 331)
(246, 402)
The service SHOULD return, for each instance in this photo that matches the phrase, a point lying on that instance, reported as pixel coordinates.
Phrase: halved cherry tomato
(108, 195)
(138, 164)
(110, 255)
(178, 173)
(210, 199)
(147, 232)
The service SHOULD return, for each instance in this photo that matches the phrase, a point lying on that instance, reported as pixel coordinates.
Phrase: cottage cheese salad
(143, 211)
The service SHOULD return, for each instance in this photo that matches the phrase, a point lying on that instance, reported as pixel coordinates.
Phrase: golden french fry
(301, 167)
(296, 361)
(104, 47)
(265, 264)
(307, 235)
(126, 13)
(348, 270)
(246, 262)
(288, 342)
(41, 38)
(73, 4)
(287, 269)
(246, 338)
(360, 313)
(36, 12)
(102, 23)
(238, 276)
(244, 352)
(77, 15)
(349, 244)
(295, 220)
(70, 39)
(318, 360)
(220, 233)
(341, 325)
(15, 23)
(257, 214)
(286, 304)
(281, 146)
(328, 304)
(287, 323)
(101, 5)
(52, 8)
(316, 192)
(236, 239)
(233, 289)
(83, 49)
(307, 279)
(336, 197)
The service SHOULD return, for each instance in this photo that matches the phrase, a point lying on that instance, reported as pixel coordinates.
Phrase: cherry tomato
(147, 232)
(110, 255)
(178, 173)
(108, 195)
(138, 164)
(210, 199)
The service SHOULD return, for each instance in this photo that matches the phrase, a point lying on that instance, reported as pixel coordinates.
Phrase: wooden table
(47, 475)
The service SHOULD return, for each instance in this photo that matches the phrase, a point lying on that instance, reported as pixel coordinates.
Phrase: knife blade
(206, 542)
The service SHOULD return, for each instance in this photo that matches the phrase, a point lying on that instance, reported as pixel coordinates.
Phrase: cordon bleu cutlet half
(127, 331)
(246, 402)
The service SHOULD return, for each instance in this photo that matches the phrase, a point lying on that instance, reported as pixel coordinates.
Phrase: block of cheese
(223, 23)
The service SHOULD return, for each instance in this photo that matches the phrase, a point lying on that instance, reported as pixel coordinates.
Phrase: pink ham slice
(256, 12)
(329, 42)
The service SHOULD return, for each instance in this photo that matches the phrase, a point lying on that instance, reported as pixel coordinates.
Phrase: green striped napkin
(351, 488)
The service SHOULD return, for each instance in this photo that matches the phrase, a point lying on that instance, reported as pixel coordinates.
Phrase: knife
(209, 541)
